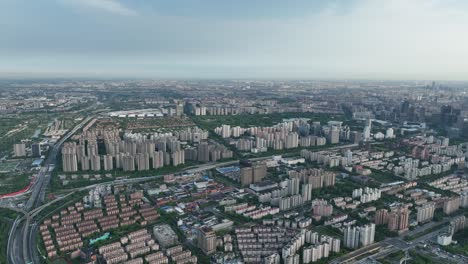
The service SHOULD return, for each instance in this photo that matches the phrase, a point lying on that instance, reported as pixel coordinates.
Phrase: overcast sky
(304, 39)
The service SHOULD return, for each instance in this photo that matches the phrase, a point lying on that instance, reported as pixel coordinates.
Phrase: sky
(215, 39)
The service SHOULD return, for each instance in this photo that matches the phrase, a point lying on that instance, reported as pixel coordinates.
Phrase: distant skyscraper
(179, 109)
(306, 192)
(128, 162)
(398, 219)
(381, 217)
(178, 157)
(85, 163)
(108, 162)
(367, 234)
(69, 158)
(226, 131)
(142, 161)
(253, 174)
(425, 212)
(293, 186)
(246, 177)
(405, 107)
(356, 137)
(449, 115)
(95, 162)
(334, 136)
(203, 152)
(452, 205)
(20, 150)
(349, 156)
(389, 133)
(367, 129)
(316, 128)
(158, 159)
(355, 237)
(351, 237)
(457, 223)
(206, 240)
(36, 150)
(292, 140)
(259, 171)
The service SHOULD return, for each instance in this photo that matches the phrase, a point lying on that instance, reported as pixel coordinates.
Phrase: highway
(392, 244)
(21, 247)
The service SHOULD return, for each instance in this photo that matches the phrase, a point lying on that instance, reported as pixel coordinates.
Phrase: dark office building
(449, 115)
(36, 150)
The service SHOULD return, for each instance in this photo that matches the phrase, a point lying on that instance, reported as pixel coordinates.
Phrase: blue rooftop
(231, 169)
(37, 162)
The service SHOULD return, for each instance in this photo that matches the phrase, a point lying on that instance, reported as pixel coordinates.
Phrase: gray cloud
(415, 39)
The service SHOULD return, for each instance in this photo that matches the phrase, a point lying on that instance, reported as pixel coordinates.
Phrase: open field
(12, 182)
(22, 126)
(384, 176)
(8, 166)
(14, 128)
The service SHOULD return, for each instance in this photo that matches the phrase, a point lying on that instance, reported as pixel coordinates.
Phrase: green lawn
(462, 246)
(384, 176)
(328, 230)
(416, 258)
(12, 182)
(422, 258)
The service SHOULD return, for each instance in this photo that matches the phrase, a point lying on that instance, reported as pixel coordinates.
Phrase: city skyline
(144, 171)
(210, 40)
(256, 132)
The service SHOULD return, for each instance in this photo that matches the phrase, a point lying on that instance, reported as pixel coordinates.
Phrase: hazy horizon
(258, 39)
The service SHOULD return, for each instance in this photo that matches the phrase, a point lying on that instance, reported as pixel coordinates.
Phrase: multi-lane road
(393, 244)
(22, 246)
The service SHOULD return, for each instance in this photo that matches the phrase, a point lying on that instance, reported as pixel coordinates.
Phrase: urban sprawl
(267, 172)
